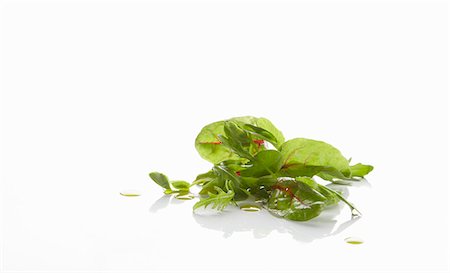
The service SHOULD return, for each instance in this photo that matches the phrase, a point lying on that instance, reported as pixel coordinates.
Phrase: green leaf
(219, 200)
(267, 125)
(204, 178)
(331, 197)
(160, 179)
(210, 185)
(267, 181)
(236, 134)
(235, 146)
(354, 210)
(360, 170)
(265, 162)
(168, 191)
(332, 174)
(210, 147)
(180, 185)
(306, 157)
(296, 199)
(281, 179)
(240, 192)
(261, 133)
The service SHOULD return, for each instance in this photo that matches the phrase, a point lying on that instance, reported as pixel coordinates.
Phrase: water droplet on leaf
(250, 207)
(185, 196)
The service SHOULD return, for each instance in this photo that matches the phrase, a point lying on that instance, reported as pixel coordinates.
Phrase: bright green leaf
(160, 179)
(261, 133)
(218, 201)
(267, 125)
(312, 155)
(210, 147)
(180, 185)
(360, 170)
(204, 178)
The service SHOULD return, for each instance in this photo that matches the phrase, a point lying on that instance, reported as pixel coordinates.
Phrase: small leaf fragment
(160, 179)
(360, 170)
(130, 193)
(180, 185)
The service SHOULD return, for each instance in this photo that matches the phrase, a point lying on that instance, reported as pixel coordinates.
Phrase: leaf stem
(354, 210)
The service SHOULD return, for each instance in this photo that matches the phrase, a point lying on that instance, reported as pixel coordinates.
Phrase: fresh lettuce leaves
(281, 177)
(219, 200)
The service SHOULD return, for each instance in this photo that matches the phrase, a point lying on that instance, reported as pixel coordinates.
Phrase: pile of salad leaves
(251, 159)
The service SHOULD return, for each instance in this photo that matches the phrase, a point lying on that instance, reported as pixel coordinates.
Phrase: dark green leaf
(236, 134)
(211, 185)
(240, 192)
(299, 169)
(235, 146)
(296, 199)
(265, 162)
(354, 210)
(331, 197)
(261, 133)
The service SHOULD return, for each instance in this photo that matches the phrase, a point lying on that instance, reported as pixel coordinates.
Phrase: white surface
(96, 94)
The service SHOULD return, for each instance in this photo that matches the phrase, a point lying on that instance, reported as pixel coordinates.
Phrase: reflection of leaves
(262, 224)
(160, 203)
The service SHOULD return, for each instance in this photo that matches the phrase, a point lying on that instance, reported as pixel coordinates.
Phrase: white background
(96, 94)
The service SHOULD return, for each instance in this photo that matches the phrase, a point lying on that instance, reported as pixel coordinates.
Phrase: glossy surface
(354, 240)
(97, 94)
(130, 193)
(250, 207)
